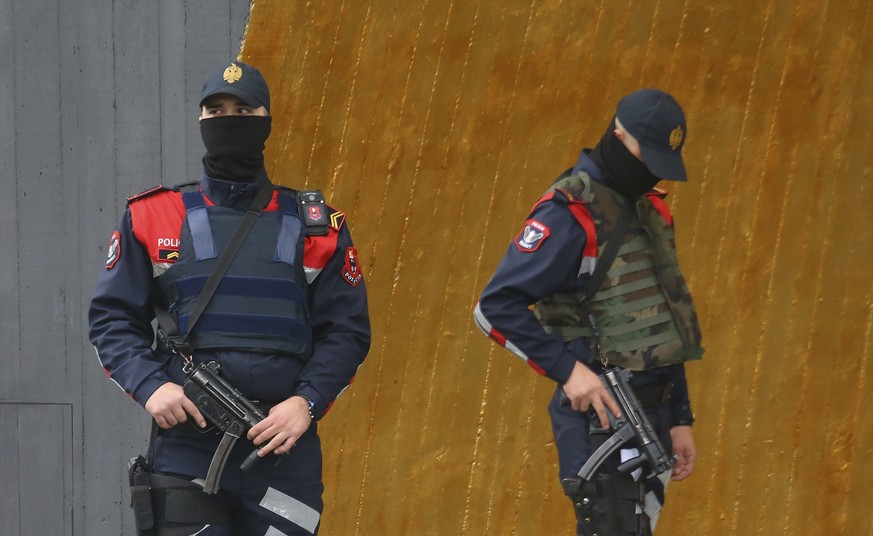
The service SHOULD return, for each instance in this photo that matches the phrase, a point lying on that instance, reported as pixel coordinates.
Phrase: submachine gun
(632, 429)
(225, 408)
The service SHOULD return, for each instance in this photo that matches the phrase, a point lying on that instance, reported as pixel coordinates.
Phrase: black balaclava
(624, 172)
(235, 146)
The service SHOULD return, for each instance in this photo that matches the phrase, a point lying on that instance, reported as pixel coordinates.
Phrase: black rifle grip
(250, 461)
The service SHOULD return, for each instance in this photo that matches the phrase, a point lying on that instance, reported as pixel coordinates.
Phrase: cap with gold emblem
(655, 119)
(240, 80)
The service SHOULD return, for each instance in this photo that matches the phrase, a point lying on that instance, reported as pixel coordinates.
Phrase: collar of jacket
(587, 165)
(231, 194)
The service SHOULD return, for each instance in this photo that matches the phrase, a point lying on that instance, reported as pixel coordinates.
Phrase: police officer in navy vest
(640, 318)
(288, 323)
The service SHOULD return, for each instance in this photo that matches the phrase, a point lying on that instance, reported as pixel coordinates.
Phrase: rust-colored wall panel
(435, 125)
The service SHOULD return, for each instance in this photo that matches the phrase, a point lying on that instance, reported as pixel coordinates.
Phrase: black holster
(169, 506)
(607, 505)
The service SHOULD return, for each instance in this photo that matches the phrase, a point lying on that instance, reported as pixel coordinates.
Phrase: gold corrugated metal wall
(436, 124)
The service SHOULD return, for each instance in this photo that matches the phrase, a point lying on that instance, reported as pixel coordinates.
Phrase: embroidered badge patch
(114, 250)
(351, 270)
(532, 236)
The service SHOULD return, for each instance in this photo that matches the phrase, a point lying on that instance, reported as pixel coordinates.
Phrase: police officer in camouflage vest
(640, 318)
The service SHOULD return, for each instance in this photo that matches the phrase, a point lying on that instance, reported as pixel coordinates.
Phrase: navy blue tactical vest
(261, 303)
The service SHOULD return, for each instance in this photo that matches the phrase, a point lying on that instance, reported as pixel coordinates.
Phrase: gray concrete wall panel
(98, 101)
(39, 453)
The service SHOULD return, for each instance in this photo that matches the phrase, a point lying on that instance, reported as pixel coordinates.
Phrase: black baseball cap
(655, 119)
(240, 80)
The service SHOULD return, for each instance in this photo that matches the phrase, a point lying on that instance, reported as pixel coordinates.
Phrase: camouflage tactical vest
(643, 310)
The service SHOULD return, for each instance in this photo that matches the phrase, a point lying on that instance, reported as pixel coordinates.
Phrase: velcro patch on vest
(114, 250)
(351, 269)
(532, 236)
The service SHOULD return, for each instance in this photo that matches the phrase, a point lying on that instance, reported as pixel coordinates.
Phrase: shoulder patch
(351, 268)
(114, 250)
(532, 236)
(337, 219)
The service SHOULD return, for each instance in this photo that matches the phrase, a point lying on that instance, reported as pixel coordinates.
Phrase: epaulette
(657, 192)
(143, 195)
(184, 187)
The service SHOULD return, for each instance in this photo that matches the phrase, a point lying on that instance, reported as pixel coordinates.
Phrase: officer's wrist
(310, 405)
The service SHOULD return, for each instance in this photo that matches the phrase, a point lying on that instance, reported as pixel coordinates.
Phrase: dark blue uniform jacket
(121, 315)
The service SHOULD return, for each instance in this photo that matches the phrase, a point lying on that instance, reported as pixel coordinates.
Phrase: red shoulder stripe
(657, 200)
(580, 212)
(317, 250)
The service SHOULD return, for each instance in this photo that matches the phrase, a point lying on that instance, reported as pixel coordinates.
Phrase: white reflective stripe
(273, 531)
(343, 390)
(107, 372)
(587, 266)
(311, 273)
(485, 326)
(201, 530)
(481, 322)
(517, 351)
(291, 509)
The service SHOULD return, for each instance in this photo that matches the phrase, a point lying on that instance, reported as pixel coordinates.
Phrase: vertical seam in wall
(478, 269)
(365, 471)
(413, 504)
(12, 28)
(348, 111)
(857, 406)
(655, 13)
(404, 234)
(324, 90)
(724, 234)
(748, 261)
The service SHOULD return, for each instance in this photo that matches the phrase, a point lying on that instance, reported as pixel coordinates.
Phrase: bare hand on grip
(169, 406)
(584, 389)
